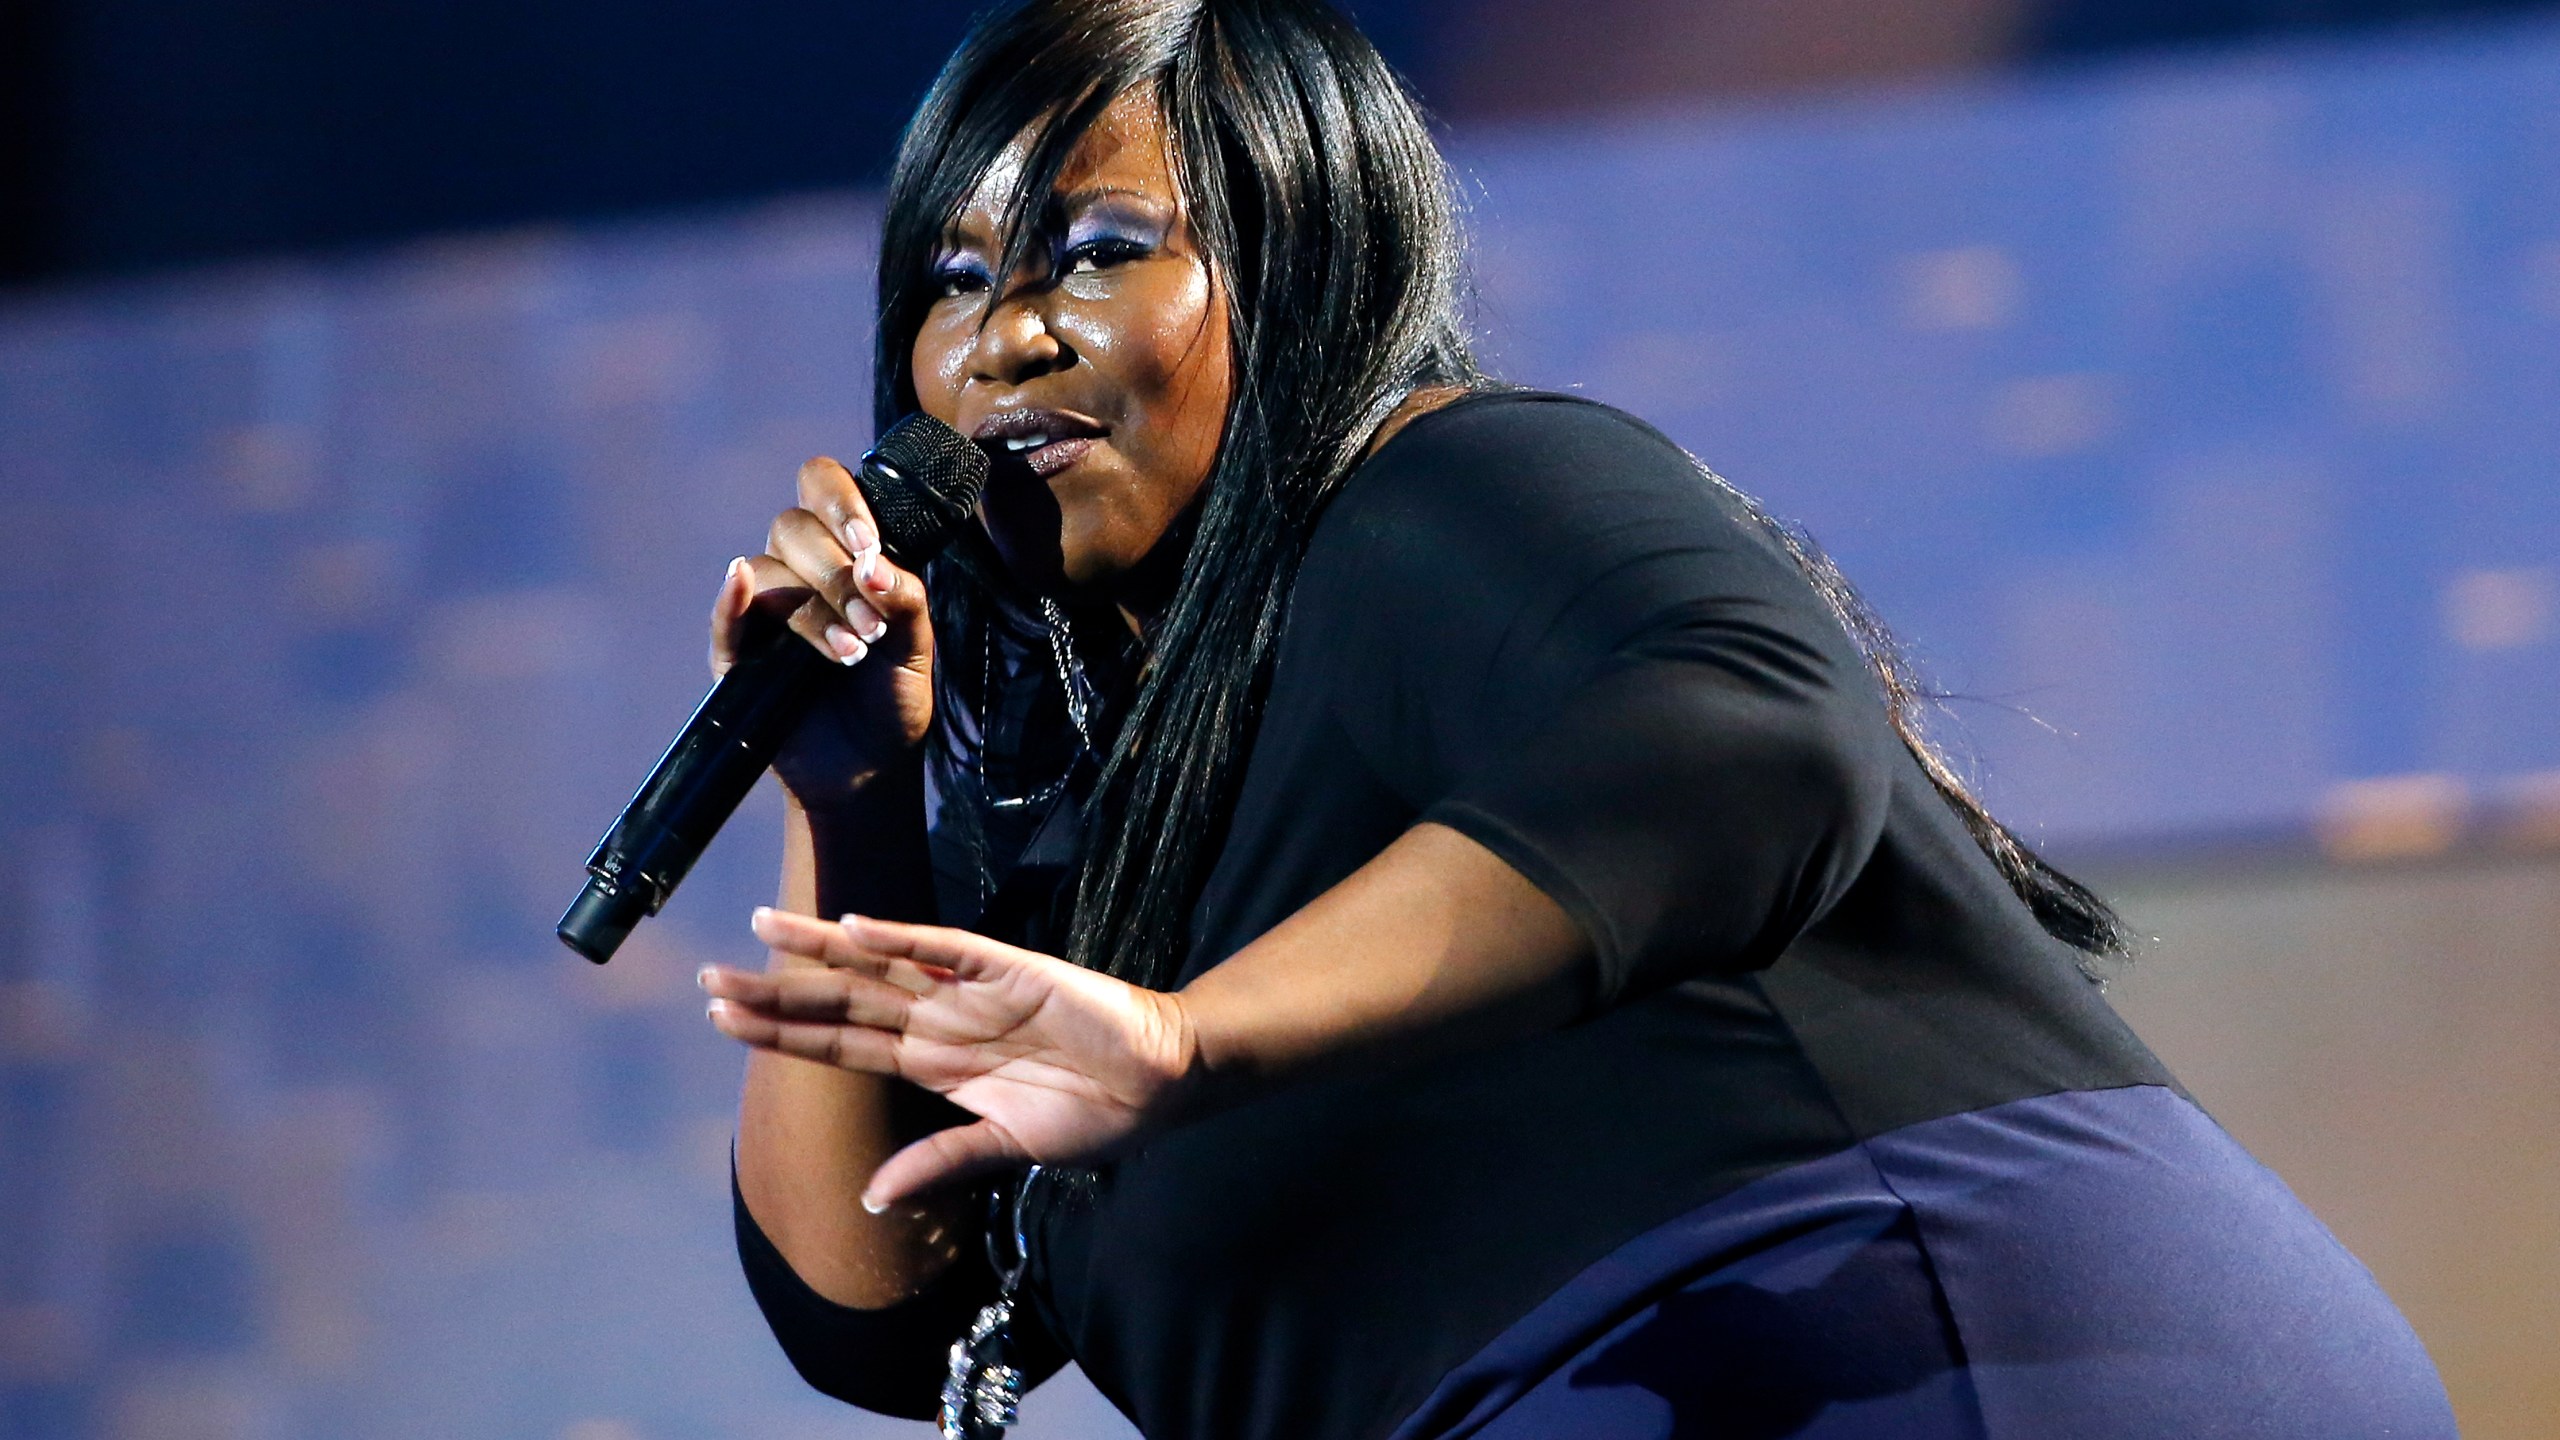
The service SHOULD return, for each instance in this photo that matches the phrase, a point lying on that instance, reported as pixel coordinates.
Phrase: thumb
(940, 1158)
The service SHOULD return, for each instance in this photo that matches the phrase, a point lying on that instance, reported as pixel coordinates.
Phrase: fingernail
(847, 645)
(737, 567)
(877, 628)
(711, 1011)
(756, 919)
(702, 977)
(876, 1207)
(848, 918)
(866, 569)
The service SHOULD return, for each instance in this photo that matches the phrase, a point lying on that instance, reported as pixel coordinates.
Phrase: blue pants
(2081, 1266)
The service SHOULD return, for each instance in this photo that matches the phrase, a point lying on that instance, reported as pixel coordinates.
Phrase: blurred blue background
(2183, 382)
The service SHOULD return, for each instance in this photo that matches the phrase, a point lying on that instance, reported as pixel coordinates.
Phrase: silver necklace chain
(1071, 676)
(982, 1390)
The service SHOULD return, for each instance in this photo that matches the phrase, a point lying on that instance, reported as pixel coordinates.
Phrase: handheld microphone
(922, 480)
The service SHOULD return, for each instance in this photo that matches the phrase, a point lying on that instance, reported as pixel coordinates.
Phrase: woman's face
(1099, 380)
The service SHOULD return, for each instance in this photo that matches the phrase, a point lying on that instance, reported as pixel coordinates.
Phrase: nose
(1018, 342)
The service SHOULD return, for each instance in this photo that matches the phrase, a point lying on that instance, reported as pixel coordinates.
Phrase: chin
(1085, 569)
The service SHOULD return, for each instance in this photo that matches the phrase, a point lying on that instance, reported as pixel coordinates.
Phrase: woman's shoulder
(1499, 473)
(1495, 433)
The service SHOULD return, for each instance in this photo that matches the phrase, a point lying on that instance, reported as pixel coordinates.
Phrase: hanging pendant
(982, 1392)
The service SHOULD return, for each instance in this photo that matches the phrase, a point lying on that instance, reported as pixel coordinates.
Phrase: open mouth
(1044, 441)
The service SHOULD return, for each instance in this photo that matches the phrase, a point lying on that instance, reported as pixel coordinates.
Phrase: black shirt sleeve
(1563, 639)
(890, 1360)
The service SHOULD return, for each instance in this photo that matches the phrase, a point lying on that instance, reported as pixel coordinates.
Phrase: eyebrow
(961, 234)
(1096, 192)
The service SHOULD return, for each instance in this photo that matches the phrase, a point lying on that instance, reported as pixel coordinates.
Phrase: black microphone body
(922, 480)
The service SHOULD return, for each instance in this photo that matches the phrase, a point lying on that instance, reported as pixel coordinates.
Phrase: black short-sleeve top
(1534, 619)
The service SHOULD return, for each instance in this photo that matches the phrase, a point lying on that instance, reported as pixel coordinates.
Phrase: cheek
(1186, 343)
(939, 363)
(1177, 365)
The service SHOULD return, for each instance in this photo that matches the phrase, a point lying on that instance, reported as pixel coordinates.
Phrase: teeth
(1021, 443)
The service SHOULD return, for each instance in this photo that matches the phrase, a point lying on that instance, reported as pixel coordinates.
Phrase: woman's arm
(1434, 945)
(853, 838)
(810, 1136)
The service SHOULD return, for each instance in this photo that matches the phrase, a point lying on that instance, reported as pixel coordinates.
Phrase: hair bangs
(1044, 76)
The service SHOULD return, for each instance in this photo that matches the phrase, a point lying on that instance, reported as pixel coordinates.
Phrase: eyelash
(1095, 254)
(1105, 250)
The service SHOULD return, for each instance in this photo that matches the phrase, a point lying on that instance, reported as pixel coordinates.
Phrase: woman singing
(1381, 904)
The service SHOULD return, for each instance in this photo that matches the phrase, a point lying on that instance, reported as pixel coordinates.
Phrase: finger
(811, 938)
(895, 593)
(942, 1158)
(803, 542)
(829, 491)
(846, 1047)
(833, 997)
(966, 954)
(729, 613)
(802, 539)
(817, 941)
(785, 596)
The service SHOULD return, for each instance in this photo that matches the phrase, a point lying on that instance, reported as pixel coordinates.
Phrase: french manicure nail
(878, 627)
(847, 645)
(712, 1010)
(866, 568)
(702, 977)
(737, 567)
(876, 1207)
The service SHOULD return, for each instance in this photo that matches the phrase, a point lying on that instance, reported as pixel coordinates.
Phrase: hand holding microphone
(824, 582)
(830, 694)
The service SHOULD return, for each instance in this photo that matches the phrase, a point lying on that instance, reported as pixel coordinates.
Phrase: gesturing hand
(1061, 1064)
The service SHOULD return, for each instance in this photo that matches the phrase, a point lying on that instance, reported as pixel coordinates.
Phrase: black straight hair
(1326, 214)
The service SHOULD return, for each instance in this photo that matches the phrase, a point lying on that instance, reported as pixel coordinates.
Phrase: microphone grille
(922, 479)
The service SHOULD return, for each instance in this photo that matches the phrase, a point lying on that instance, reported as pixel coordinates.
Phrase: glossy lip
(1075, 436)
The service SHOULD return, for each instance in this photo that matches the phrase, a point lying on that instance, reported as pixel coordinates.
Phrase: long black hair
(1322, 206)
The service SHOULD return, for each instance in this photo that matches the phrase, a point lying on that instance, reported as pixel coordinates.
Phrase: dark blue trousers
(2097, 1265)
